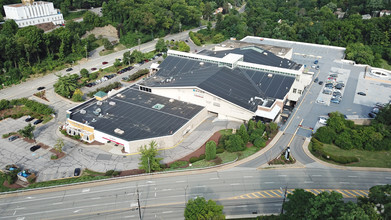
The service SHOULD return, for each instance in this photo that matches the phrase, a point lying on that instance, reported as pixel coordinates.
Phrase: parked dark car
(28, 119)
(338, 86)
(316, 62)
(41, 88)
(337, 93)
(362, 93)
(34, 148)
(93, 69)
(37, 121)
(69, 69)
(335, 100)
(89, 85)
(105, 62)
(12, 138)
(77, 172)
(316, 80)
(320, 82)
(372, 115)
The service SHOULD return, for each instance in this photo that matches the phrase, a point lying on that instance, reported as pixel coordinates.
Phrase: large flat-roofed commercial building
(132, 118)
(235, 83)
(32, 13)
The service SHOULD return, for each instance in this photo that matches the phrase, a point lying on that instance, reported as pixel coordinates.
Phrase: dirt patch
(215, 137)
(41, 95)
(28, 140)
(131, 172)
(12, 186)
(11, 111)
(59, 154)
(107, 31)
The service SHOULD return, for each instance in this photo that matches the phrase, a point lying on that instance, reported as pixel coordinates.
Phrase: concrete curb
(309, 154)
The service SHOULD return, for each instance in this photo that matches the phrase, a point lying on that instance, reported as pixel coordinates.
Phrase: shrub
(259, 142)
(8, 135)
(220, 150)
(201, 157)
(193, 159)
(210, 150)
(109, 173)
(11, 179)
(106, 88)
(116, 173)
(77, 137)
(325, 134)
(54, 157)
(138, 74)
(179, 164)
(243, 133)
(218, 161)
(234, 143)
(64, 132)
(222, 140)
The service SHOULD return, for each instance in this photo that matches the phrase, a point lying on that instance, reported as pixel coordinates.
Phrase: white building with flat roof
(32, 13)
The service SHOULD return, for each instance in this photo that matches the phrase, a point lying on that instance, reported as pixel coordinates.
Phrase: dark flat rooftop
(234, 85)
(254, 54)
(139, 114)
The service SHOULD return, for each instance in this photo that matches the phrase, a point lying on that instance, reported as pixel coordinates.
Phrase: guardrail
(116, 178)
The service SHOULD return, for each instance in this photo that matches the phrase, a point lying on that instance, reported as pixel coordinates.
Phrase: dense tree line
(346, 135)
(28, 50)
(367, 41)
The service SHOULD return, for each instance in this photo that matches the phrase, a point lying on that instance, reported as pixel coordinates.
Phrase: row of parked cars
(333, 87)
(32, 149)
(101, 80)
(126, 69)
(376, 109)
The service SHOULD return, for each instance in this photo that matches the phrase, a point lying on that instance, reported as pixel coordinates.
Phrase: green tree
(182, 46)
(107, 44)
(117, 63)
(218, 38)
(250, 126)
(137, 56)
(77, 96)
(149, 160)
(259, 142)
(84, 73)
(27, 131)
(161, 46)
(379, 199)
(207, 13)
(234, 143)
(59, 145)
(243, 133)
(126, 58)
(325, 134)
(66, 85)
(360, 53)
(199, 208)
(210, 150)
(298, 204)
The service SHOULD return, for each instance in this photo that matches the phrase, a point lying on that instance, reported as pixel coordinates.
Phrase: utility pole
(149, 166)
(283, 201)
(138, 203)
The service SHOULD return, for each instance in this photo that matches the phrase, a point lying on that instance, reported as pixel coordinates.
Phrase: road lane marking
(234, 184)
(347, 191)
(166, 212)
(317, 175)
(57, 203)
(20, 208)
(76, 211)
(268, 194)
(165, 190)
(278, 194)
(85, 190)
(308, 182)
(268, 182)
(242, 206)
(344, 183)
(199, 186)
(344, 195)
(214, 178)
(180, 181)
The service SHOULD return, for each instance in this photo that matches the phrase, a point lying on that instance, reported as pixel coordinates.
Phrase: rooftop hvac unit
(82, 111)
(93, 120)
(98, 110)
(269, 75)
(118, 131)
(171, 100)
(99, 103)
(201, 63)
(111, 103)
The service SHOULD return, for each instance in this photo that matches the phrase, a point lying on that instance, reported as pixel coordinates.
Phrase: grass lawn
(116, 48)
(367, 158)
(73, 15)
(226, 132)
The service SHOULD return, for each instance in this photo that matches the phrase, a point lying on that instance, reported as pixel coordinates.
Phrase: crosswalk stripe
(365, 193)
(343, 194)
(254, 195)
(317, 192)
(278, 195)
(348, 191)
(248, 196)
(359, 193)
(308, 190)
(261, 194)
(268, 194)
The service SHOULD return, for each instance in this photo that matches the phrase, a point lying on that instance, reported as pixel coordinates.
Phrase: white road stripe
(57, 203)
(166, 212)
(344, 182)
(268, 182)
(214, 178)
(234, 184)
(180, 181)
(308, 182)
(85, 190)
(316, 175)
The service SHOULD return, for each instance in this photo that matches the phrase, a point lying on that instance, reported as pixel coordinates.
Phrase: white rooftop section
(234, 60)
(270, 115)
